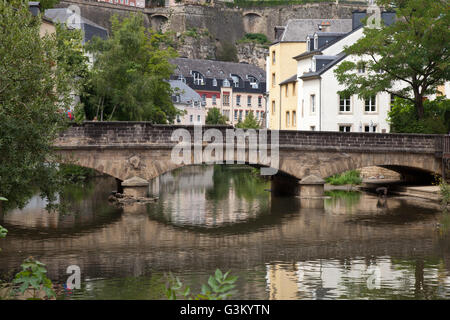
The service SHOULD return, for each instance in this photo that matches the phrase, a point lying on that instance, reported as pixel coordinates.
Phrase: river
(350, 245)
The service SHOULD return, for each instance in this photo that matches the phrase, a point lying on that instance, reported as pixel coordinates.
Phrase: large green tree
(250, 122)
(37, 80)
(215, 117)
(413, 51)
(129, 75)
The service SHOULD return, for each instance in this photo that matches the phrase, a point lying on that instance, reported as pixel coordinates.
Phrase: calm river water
(350, 245)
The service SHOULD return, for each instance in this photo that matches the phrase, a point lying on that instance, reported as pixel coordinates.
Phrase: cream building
(281, 67)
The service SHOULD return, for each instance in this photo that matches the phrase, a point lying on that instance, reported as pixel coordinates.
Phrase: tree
(413, 51)
(36, 82)
(227, 52)
(215, 117)
(129, 77)
(436, 119)
(250, 122)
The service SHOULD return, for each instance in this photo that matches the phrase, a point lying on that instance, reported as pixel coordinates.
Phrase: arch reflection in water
(212, 217)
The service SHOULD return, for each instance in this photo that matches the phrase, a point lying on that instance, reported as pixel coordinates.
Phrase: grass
(349, 177)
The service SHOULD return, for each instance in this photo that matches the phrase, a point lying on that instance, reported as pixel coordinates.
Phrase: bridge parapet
(144, 134)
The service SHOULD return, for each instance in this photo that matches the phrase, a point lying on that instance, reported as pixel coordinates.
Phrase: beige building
(236, 89)
(281, 67)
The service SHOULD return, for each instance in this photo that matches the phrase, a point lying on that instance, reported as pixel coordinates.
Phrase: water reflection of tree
(245, 183)
(349, 198)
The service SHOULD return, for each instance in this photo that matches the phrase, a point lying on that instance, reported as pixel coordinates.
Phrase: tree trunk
(419, 105)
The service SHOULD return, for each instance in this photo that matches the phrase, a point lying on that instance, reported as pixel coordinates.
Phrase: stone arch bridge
(136, 152)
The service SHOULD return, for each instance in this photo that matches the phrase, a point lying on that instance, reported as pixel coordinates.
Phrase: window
(126, 1)
(198, 78)
(273, 80)
(392, 99)
(259, 101)
(293, 88)
(246, 113)
(238, 100)
(249, 101)
(214, 99)
(316, 42)
(240, 115)
(294, 118)
(253, 82)
(273, 57)
(214, 82)
(257, 115)
(313, 103)
(370, 104)
(273, 106)
(288, 120)
(178, 118)
(345, 128)
(361, 67)
(181, 78)
(235, 115)
(204, 98)
(368, 128)
(236, 80)
(344, 103)
(226, 83)
(308, 44)
(226, 99)
(198, 118)
(191, 118)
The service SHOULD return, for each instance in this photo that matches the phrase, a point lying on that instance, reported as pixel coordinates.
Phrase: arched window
(198, 78)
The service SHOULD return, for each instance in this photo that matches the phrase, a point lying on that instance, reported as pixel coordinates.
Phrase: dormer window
(316, 42)
(253, 81)
(214, 82)
(198, 78)
(181, 78)
(226, 83)
(313, 65)
(236, 79)
(308, 44)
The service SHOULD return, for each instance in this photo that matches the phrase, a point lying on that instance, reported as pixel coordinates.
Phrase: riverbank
(431, 193)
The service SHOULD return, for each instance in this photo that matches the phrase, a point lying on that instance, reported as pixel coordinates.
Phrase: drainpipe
(320, 104)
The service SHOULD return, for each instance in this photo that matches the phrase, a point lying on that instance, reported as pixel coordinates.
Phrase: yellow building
(282, 68)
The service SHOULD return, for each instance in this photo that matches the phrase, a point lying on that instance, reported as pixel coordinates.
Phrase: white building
(186, 99)
(319, 104)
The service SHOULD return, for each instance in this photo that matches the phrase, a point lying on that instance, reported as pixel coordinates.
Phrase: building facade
(236, 89)
(291, 41)
(320, 105)
(189, 102)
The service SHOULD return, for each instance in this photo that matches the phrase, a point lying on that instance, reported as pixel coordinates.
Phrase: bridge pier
(135, 187)
(311, 187)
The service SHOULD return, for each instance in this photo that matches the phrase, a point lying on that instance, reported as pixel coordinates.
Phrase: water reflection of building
(354, 278)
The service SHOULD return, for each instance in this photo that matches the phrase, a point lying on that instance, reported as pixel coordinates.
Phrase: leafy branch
(219, 287)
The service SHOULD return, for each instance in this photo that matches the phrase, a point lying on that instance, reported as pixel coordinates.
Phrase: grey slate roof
(217, 69)
(186, 93)
(298, 29)
(341, 56)
(89, 28)
(289, 80)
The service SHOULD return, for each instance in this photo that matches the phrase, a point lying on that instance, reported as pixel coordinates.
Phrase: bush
(255, 37)
(349, 177)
